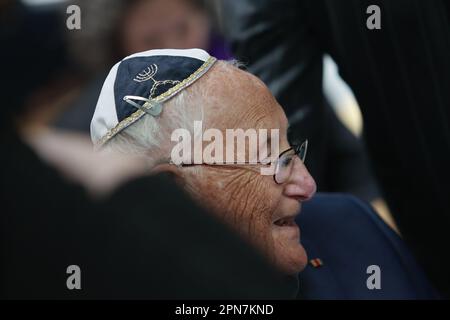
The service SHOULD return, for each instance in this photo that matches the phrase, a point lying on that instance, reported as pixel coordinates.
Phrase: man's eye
(285, 161)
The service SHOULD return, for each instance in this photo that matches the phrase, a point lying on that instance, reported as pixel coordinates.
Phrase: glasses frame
(296, 147)
(297, 152)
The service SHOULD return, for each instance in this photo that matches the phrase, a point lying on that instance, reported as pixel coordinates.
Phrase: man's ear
(171, 170)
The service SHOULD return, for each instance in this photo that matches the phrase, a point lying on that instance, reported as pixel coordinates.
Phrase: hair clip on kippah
(150, 106)
(140, 84)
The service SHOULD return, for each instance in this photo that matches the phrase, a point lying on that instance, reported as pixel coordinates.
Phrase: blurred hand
(72, 154)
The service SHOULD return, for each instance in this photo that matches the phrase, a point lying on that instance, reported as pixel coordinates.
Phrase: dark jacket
(349, 237)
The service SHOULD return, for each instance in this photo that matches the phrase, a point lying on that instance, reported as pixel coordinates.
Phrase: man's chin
(303, 260)
(293, 261)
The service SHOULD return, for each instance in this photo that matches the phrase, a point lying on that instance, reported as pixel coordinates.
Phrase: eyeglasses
(283, 164)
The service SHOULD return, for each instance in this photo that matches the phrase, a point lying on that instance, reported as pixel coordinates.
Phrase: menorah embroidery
(148, 74)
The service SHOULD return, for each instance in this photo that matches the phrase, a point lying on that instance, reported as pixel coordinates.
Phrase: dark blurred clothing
(400, 76)
(348, 237)
(147, 240)
(33, 53)
(78, 114)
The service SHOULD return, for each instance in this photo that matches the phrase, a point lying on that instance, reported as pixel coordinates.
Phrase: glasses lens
(284, 166)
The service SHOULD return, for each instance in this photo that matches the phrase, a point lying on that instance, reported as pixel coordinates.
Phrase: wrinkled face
(260, 209)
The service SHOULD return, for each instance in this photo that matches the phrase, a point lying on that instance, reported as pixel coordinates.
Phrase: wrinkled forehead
(242, 101)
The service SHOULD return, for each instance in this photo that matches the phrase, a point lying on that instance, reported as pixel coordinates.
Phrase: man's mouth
(285, 222)
(286, 228)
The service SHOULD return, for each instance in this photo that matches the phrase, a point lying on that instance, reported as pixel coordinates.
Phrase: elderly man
(221, 96)
(175, 106)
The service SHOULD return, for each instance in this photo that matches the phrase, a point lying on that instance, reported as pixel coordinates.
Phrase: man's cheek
(288, 206)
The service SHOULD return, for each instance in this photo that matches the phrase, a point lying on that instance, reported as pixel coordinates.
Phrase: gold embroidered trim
(159, 99)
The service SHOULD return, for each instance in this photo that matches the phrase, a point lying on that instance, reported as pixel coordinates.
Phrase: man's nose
(300, 184)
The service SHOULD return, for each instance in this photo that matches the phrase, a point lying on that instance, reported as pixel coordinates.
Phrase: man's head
(260, 209)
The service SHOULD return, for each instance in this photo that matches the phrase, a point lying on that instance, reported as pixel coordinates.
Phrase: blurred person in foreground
(63, 205)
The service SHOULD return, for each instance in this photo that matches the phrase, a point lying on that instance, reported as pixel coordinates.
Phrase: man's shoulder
(344, 237)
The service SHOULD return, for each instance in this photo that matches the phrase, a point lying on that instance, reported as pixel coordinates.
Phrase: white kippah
(140, 83)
